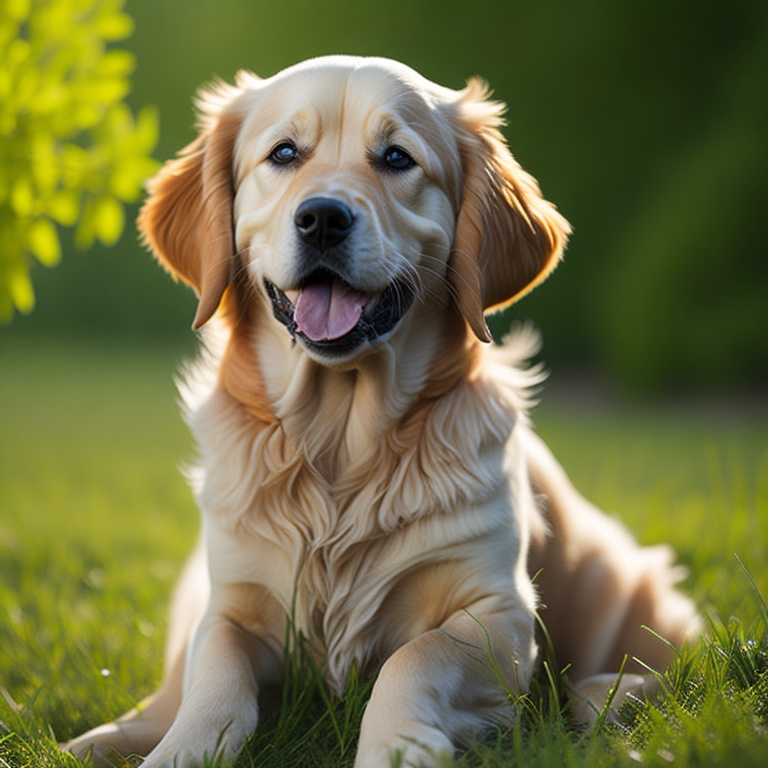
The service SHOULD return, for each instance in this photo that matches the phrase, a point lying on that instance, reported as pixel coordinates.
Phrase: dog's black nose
(323, 221)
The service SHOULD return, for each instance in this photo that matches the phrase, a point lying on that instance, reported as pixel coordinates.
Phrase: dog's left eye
(397, 159)
(284, 153)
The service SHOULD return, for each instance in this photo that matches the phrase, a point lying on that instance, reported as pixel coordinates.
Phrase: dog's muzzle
(331, 317)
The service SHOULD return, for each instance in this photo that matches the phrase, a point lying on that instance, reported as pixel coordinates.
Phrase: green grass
(95, 523)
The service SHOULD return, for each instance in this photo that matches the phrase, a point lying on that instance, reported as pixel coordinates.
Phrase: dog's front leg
(448, 685)
(219, 709)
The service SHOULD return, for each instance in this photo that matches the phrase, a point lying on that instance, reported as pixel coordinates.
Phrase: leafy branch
(71, 152)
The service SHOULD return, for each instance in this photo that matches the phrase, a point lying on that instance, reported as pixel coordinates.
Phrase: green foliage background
(71, 152)
(645, 121)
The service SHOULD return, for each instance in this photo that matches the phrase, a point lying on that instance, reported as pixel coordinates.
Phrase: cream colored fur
(390, 501)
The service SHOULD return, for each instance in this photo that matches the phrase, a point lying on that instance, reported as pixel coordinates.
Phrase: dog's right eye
(284, 153)
(397, 159)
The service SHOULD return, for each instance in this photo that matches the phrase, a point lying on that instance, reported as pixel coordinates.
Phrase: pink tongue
(329, 309)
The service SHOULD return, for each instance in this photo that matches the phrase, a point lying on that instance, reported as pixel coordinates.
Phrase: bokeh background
(645, 121)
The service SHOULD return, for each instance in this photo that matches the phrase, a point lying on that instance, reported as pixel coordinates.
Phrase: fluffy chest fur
(334, 526)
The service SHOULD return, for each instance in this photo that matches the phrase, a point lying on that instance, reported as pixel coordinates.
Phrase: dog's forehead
(380, 78)
(341, 91)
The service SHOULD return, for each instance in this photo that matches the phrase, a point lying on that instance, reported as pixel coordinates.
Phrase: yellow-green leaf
(22, 294)
(114, 26)
(18, 10)
(23, 197)
(64, 207)
(147, 128)
(116, 64)
(109, 220)
(44, 242)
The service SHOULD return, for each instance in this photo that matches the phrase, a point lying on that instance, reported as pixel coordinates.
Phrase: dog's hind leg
(140, 730)
(598, 588)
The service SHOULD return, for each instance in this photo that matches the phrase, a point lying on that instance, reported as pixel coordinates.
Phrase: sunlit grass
(95, 523)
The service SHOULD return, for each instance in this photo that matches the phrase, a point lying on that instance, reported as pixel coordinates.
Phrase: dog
(368, 474)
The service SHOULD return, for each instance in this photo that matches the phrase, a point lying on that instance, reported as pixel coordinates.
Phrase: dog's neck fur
(326, 413)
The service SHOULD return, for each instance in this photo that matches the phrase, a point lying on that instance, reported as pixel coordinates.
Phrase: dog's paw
(103, 747)
(422, 747)
(590, 697)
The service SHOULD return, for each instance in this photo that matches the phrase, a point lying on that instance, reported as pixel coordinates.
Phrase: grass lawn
(95, 523)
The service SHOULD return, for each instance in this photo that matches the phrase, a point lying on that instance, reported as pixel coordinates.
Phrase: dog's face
(345, 190)
(346, 201)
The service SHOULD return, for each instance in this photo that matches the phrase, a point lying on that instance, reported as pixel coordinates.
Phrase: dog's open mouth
(331, 315)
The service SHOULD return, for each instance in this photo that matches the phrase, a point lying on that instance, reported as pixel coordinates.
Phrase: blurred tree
(71, 152)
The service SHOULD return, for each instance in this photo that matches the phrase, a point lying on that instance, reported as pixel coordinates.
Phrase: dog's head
(345, 190)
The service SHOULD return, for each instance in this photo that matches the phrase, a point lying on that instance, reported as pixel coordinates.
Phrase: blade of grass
(758, 593)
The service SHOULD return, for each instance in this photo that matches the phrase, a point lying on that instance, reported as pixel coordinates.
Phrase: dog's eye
(397, 159)
(284, 153)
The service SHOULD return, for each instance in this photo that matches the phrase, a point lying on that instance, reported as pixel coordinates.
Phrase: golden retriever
(367, 468)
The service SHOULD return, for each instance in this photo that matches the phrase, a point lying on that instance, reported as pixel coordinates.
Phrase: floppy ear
(508, 238)
(188, 217)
